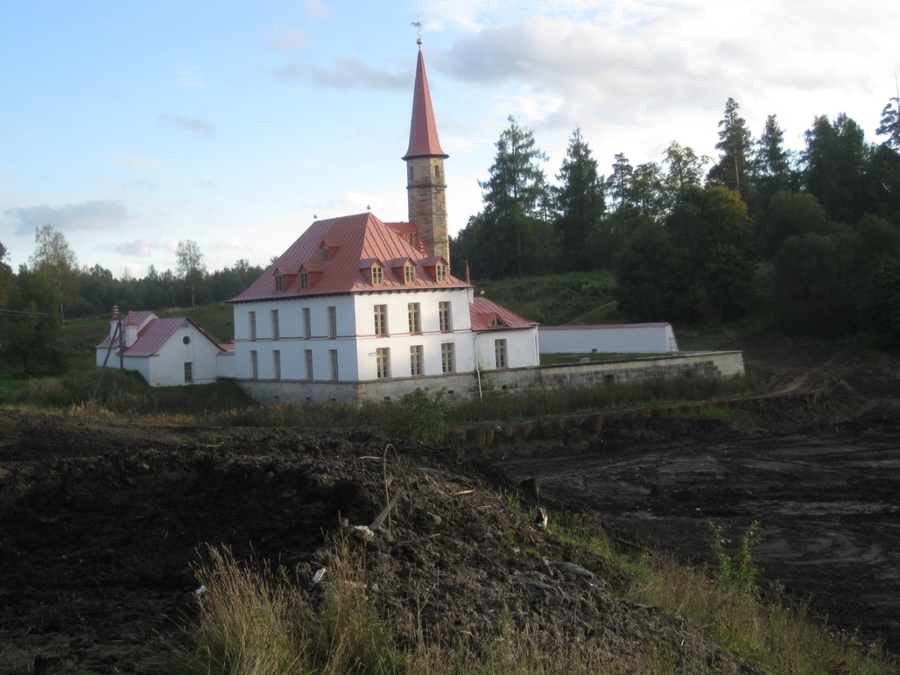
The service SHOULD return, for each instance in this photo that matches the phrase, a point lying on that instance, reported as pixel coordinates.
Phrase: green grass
(216, 320)
(578, 298)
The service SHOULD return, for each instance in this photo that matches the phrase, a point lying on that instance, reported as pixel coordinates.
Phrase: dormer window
(496, 322)
(327, 248)
(441, 273)
(279, 283)
(409, 274)
(377, 275)
(304, 279)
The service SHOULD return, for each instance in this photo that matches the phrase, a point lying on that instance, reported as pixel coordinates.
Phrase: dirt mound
(102, 524)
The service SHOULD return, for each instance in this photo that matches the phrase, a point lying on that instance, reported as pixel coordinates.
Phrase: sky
(131, 126)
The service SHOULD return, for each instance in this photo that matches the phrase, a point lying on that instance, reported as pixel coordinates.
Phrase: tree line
(37, 298)
(699, 239)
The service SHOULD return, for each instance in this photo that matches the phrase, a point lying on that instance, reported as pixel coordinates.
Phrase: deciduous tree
(835, 167)
(5, 276)
(190, 264)
(54, 259)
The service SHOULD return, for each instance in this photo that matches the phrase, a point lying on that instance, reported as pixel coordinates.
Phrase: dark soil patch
(101, 523)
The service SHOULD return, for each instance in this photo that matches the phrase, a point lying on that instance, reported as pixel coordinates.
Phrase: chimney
(114, 323)
(131, 330)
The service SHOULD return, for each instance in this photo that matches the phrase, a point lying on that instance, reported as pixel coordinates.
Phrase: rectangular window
(276, 365)
(276, 330)
(448, 362)
(377, 275)
(333, 353)
(332, 322)
(442, 273)
(409, 274)
(500, 353)
(383, 362)
(307, 324)
(279, 284)
(254, 364)
(251, 317)
(304, 279)
(188, 371)
(445, 315)
(381, 327)
(307, 355)
(415, 318)
(415, 360)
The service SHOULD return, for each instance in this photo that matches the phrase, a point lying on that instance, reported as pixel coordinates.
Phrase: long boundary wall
(634, 338)
(463, 387)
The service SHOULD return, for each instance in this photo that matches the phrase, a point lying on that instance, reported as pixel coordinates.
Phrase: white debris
(319, 575)
(200, 591)
(363, 532)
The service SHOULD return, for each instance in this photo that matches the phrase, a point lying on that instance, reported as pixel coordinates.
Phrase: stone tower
(426, 189)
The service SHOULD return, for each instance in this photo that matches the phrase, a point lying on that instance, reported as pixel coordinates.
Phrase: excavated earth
(103, 522)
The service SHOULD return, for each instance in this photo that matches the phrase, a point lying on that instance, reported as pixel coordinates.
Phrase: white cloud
(93, 215)
(189, 77)
(139, 163)
(316, 11)
(139, 247)
(345, 73)
(192, 124)
(285, 40)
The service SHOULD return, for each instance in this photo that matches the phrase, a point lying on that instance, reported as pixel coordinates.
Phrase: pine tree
(580, 204)
(735, 147)
(515, 232)
(890, 123)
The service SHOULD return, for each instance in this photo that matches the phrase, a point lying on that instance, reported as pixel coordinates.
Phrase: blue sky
(129, 126)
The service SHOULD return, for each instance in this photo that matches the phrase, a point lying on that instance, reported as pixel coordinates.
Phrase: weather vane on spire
(418, 25)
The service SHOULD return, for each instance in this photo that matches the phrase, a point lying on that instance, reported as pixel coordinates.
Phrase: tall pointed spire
(423, 135)
(426, 190)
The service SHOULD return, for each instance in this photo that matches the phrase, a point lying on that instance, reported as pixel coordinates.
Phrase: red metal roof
(140, 319)
(358, 240)
(482, 311)
(423, 135)
(155, 334)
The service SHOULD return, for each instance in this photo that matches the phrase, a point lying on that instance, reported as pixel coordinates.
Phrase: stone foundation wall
(463, 387)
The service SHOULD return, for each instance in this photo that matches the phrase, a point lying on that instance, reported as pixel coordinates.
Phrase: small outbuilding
(166, 352)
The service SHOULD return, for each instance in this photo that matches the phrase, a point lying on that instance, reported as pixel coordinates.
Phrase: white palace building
(358, 308)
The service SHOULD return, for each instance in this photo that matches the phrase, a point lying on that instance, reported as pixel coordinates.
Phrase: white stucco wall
(655, 338)
(521, 348)
(292, 342)
(399, 340)
(167, 367)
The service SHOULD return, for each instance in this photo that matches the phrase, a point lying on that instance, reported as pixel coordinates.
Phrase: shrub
(419, 417)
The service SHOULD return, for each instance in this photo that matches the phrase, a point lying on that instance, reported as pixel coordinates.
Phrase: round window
(186, 340)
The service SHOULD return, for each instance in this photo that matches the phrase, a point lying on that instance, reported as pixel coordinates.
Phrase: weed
(739, 572)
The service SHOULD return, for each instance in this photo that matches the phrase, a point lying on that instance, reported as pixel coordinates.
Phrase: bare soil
(102, 522)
